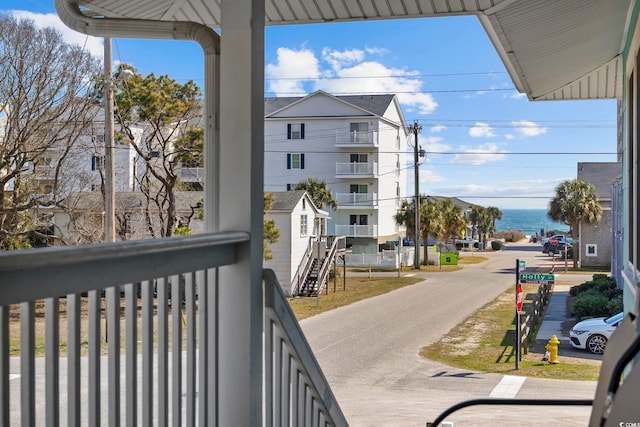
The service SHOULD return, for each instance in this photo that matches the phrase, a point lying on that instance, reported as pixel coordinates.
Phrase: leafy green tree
(271, 232)
(575, 202)
(169, 113)
(318, 191)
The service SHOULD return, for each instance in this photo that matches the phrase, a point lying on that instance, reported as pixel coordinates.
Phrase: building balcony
(357, 139)
(357, 230)
(161, 359)
(357, 170)
(357, 200)
(192, 174)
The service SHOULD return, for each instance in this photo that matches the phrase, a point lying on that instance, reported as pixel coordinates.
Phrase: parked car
(560, 238)
(593, 334)
(548, 248)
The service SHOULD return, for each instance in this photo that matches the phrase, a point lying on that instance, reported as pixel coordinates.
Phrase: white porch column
(241, 208)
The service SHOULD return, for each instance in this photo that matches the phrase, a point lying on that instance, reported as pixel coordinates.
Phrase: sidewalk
(557, 321)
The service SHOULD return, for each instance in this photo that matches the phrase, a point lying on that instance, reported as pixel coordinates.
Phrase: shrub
(496, 245)
(615, 305)
(510, 236)
(602, 283)
(590, 304)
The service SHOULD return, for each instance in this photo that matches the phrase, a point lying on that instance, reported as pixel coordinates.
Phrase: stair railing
(303, 270)
(297, 392)
(339, 243)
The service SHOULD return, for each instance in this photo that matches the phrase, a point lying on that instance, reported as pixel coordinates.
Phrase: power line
(402, 91)
(384, 76)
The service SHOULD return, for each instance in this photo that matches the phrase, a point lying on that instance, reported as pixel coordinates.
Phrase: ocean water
(529, 221)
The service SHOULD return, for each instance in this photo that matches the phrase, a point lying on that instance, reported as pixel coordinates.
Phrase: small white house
(301, 226)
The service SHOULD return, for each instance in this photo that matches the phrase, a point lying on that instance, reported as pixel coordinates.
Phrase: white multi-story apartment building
(357, 145)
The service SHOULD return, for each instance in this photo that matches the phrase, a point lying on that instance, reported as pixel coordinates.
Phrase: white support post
(241, 208)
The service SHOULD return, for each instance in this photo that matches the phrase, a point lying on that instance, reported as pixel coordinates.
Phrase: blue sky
(476, 128)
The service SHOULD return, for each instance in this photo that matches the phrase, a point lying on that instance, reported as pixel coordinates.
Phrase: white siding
(326, 121)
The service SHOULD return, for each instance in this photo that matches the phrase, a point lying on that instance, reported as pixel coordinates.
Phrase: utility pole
(109, 172)
(416, 128)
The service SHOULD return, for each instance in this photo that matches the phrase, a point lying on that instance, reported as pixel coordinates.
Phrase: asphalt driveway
(369, 353)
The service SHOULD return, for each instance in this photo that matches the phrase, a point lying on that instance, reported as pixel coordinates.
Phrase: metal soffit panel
(553, 49)
(563, 49)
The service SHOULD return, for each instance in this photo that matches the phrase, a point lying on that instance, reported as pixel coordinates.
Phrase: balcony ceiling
(567, 49)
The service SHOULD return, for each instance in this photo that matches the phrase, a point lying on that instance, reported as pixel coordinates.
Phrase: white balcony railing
(356, 200)
(355, 169)
(357, 230)
(357, 139)
(192, 174)
(159, 364)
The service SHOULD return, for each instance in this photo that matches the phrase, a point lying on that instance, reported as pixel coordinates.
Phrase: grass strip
(486, 342)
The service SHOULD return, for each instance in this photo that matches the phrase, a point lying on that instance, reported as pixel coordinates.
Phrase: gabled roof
(553, 49)
(286, 201)
(373, 105)
(455, 201)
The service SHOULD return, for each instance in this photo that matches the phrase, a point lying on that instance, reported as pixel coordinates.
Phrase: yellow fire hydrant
(552, 348)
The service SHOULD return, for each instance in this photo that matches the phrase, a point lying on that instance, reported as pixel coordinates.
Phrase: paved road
(369, 353)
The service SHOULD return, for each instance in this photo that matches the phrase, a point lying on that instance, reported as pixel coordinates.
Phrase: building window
(358, 219)
(303, 226)
(591, 250)
(358, 158)
(98, 134)
(97, 163)
(359, 188)
(295, 161)
(295, 131)
(359, 131)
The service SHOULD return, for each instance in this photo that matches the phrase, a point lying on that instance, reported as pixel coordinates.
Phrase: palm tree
(575, 202)
(495, 214)
(406, 217)
(475, 216)
(431, 221)
(318, 191)
(453, 219)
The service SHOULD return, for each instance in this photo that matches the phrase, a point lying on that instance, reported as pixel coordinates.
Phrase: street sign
(553, 241)
(523, 265)
(542, 279)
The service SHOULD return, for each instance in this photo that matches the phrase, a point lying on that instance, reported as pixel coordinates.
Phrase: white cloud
(345, 72)
(479, 155)
(434, 144)
(481, 130)
(41, 20)
(528, 128)
(339, 59)
(438, 128)
(291, 71)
